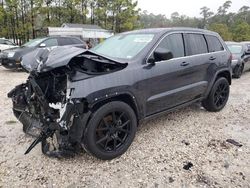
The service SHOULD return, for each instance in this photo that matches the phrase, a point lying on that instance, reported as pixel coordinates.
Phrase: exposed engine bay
(44, 104)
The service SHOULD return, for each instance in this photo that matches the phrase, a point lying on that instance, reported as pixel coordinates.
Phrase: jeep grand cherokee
(104, 93)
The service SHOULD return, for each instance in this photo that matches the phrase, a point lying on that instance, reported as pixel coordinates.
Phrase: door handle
(184, 64)
(212, 58)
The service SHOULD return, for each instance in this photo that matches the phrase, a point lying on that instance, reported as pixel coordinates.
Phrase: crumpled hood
(46, 59)
(60, 56)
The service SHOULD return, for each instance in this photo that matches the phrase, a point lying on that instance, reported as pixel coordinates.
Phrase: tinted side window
(67, 41)
(214, 44)
(61, 41)
(76, 41)
(173, 43)
(50, 42)
(196, 44)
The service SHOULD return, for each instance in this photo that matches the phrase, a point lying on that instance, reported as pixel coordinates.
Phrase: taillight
(231, 57)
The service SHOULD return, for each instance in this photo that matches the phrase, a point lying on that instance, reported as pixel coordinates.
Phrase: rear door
(200, 60)
(217, 55)
(174, 81)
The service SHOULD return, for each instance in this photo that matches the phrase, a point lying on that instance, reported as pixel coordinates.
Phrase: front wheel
(110, 130)
(218, 96)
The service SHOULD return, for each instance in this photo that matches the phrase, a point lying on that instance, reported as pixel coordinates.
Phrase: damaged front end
(44, 104)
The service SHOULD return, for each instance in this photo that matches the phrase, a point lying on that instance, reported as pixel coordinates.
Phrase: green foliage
(206, 14)
(222, 29)
(25, 19)
(231, 26)
(241, 32)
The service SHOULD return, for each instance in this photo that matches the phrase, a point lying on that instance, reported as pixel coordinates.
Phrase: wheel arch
(222, 73)
(123, 97)
(226, 74)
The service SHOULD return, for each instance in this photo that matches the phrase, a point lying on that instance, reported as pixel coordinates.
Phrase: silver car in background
(240, 57)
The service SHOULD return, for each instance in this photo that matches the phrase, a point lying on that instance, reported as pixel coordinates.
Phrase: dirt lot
(156, 158)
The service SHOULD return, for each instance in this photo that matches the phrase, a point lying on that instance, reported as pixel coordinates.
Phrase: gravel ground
(156, 158)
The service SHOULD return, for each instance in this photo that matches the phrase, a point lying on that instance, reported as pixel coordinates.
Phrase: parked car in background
(105, 92)
(6, 44)
(11, 59)
(240, 57)
(247, 44)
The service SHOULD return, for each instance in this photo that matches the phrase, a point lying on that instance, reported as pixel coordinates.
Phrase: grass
(10, 122)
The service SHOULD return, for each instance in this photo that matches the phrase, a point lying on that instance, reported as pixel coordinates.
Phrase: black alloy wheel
(221, 94)
(218, 96)
(110, 130)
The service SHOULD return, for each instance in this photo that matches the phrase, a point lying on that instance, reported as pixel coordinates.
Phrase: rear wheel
(218, 96)
(110, 131)
(238, 71)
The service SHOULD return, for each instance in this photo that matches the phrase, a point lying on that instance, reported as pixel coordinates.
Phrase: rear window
(196, 44)
(65, 41)
(214, 44)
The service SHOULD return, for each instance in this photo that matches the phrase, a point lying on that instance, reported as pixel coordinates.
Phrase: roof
(164, 30)
(85, 26)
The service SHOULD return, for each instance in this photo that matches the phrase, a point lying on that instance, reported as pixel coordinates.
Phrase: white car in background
(6, 44)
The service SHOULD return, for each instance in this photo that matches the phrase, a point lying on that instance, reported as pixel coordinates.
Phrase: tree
(241, 32)
(222, 29)
(206, 14)
(222, 10)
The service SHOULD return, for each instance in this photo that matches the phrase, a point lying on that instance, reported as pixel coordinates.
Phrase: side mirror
(161, 54)
(151, 60)
(42, 45)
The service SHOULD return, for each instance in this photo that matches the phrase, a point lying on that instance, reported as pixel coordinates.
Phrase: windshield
(123, 46)
(2, 41)
(32, 43)
(235, 49)
(6, 42)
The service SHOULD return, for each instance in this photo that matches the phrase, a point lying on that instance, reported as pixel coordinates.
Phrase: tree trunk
(32, 19)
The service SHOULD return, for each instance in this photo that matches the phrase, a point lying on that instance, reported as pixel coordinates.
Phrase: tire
(238, 71)
(110, 131)
(218, 96)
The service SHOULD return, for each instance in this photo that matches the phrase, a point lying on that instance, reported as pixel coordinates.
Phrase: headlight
(26, 67)
(11, 54)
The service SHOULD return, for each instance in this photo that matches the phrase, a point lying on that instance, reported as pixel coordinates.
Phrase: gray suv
(107, 91)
